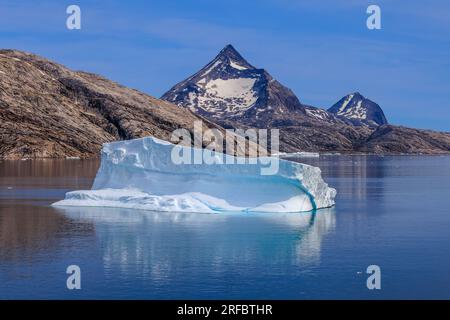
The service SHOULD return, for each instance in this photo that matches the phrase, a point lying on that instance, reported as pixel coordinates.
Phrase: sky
(322, 50)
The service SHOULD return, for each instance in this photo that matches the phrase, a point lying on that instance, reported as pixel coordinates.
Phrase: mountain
(235, 94)
(47, 110)
(230, 90)
(359, 110)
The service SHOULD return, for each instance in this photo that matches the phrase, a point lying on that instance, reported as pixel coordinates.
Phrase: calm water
(391, 211)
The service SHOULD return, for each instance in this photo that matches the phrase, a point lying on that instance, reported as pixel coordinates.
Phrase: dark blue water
(393, 212)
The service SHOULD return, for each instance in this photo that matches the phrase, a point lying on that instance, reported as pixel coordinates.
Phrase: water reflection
(353, 176)
(47, 173)
(160, 246)
(42, 182)
(26, 230)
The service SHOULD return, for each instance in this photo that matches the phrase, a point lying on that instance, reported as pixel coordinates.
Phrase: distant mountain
(359, 110)
(233, 93)
(229, 89)
(47, 110)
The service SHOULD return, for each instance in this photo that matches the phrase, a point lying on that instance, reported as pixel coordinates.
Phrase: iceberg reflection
(162, 247)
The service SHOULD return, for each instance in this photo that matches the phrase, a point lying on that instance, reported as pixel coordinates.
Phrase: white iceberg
(300, 154)
(140, 174)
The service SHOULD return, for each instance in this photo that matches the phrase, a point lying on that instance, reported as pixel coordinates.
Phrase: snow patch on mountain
(318, 113)
(237, 66)
(224, 95)
(356, 112)
(238, 93)
(344, 105)
(231, 88)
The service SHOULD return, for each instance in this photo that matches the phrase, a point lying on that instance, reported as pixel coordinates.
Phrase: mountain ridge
(347, 126)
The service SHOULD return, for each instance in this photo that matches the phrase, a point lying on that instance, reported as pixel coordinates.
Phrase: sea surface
(393, 212)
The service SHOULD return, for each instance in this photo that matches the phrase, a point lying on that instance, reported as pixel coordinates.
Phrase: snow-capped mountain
(229, 89)
(359, 110)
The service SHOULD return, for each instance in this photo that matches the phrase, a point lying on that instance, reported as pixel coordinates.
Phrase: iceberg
(300, 154)
(141, 174)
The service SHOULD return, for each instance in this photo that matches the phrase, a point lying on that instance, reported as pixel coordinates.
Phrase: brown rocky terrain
(47, 110)
(388, 139)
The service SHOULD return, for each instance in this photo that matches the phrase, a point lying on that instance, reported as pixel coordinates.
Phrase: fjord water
(393, 212)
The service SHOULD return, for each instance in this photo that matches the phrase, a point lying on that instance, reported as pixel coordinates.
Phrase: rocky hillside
(387, 139)
(47, 110)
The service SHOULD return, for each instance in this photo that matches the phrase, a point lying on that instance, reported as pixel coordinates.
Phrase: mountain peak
(229, 89)
(359, 110)
(230, 55)
(229, 51)
(229, 47)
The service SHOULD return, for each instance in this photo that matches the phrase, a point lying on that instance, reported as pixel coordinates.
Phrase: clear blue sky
(322, 50)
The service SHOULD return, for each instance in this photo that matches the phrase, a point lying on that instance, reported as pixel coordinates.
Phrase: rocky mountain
(47, 110)
(233, 93)
(229, 90)
(359, 110)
